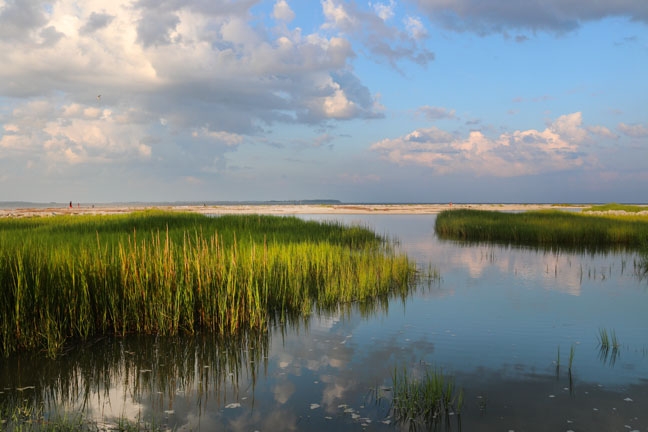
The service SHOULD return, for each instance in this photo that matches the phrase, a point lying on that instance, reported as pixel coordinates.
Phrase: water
(498, 321)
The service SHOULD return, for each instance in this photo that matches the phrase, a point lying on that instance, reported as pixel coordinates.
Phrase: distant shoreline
(277, 209)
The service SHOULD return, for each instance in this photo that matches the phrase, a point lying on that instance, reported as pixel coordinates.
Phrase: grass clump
(544, 229)
(628, 208)
(608, 346)
(75, 277)
(427, 402)
(607, 342)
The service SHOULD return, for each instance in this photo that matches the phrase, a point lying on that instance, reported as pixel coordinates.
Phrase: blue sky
(381, 101)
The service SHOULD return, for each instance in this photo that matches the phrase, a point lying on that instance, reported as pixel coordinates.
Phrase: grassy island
(67, 278)
(587, 230)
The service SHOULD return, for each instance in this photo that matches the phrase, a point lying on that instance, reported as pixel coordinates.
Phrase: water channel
(502, 321)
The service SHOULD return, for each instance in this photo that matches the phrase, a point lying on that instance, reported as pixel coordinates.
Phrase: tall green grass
(75, 277)
(544, 229)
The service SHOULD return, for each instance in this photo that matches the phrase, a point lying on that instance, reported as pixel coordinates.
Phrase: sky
(359, 101)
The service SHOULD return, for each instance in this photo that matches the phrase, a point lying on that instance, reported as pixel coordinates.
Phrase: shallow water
(497, 321)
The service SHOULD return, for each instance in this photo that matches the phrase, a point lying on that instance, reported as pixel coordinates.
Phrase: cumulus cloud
(556, 148)
(382, 40)
(18, 20)
(601, 131)
(559, 16)
(282, 11)
(415, 27)
(96, 21)
(384, 10)
(181, 82)
(71, 134)
(634, 131)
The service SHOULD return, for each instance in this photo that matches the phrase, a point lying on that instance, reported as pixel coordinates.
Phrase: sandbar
(282, 209)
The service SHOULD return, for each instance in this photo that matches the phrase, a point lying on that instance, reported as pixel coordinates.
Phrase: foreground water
(502, 321)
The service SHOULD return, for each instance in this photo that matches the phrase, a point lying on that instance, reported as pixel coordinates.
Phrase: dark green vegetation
(425, 403)
(70, 278)
(545, 229)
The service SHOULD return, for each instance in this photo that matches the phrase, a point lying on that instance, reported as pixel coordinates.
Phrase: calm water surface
(498, 321)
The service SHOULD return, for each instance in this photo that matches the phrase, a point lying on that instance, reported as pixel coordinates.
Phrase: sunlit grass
(544, 229)
(74, 277)
(628, 208)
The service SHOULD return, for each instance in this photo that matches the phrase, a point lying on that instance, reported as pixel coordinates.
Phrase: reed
(608, 341)
(608, 346)
(603, 338)
(544, 228)
(425, 403)
(572, 352)
(75, 277)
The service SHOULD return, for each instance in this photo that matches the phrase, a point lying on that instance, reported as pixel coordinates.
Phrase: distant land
(27, 204)
(306, 202)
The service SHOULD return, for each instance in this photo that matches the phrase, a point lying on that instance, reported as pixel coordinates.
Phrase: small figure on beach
(70, 204)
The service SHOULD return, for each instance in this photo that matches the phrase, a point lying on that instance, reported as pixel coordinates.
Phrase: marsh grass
(72, 278)
(547, 229)
(616, 207)
(572, 352)
(608, 346)
(427, 402)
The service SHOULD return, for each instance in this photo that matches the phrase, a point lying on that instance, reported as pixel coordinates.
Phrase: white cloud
(337, 105)
(415, 27)
(384, 10)
(510, 154)
(337, 16)
(601, 131)
(282, 11)
(635, 130)
(181, 83)
(382, 40)
(222, 137)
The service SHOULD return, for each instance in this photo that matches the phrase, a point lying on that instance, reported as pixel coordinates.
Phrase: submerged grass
(544, 229)
(427, 402)
(607, 342)
(608, 346)
(76, 277)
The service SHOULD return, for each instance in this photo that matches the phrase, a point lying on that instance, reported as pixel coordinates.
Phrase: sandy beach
(276, 209)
